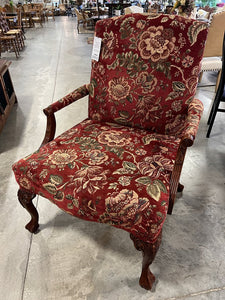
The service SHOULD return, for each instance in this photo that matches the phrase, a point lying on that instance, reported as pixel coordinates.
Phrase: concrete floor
(73, 259)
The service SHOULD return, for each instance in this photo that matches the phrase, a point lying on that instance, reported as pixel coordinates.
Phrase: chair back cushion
(214, 42)
(147, 71)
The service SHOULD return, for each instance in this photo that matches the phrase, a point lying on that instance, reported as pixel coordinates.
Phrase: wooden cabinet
(7, 93)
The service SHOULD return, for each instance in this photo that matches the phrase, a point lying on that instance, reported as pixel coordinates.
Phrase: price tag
(96, 48)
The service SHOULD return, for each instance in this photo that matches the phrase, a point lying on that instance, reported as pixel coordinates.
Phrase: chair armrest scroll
(54, 107)
(190, 128)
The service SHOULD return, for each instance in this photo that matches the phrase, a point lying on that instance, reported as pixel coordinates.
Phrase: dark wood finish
(180, 187)
(220, 94)
(25, 199)
(175, 186)
(7, 93)
(149, 251)
(51, 127)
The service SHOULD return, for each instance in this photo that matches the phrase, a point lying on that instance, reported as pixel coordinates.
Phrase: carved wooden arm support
(187, 136)
(54, 107)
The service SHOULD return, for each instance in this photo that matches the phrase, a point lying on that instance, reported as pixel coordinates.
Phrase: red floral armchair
(121, 166)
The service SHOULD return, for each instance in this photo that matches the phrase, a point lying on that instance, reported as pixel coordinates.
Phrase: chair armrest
(190, 127)
(68, 99)
(187, 135)
(54, 107)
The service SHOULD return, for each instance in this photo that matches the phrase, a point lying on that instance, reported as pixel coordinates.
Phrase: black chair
(220, 95)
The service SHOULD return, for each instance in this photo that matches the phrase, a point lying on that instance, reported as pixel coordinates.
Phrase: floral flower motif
(25, 183)
(176, 126)
(96, 157)
(91, 179)
(141, 24)
(124, 180)
(114, 138)
(147, 81)
(62, 157)
(110, 42)
(187, 61)
(123, 208)
(156, 44)
(119, 88)
(140, 152)
(177, 105)
(192, 84)
(155, 165)
(100, 69)
(96, 116)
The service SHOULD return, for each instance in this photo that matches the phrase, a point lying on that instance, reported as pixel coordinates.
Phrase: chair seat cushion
(106, 173)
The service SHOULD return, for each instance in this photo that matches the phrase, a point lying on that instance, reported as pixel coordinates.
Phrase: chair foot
(25, 199)
(149, 251)
(180, 187)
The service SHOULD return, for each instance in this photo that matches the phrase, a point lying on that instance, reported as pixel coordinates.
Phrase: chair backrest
(214, 42)
(10, 8)
(148, 70)
(3, 23)
(25, 8)
(78, 14)
(62, 7)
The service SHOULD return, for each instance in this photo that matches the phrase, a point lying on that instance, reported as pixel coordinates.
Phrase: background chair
(133, 9)
(83, 18)
(49, 11)
(6, 31)
(220, 95)
(213, 48)
(8, 44)
(122, 165)
(37, 14)
(27, 17)
(62, 9)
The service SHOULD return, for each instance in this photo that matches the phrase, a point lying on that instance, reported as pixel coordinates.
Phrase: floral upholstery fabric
(106, 173)
(115, 167)
(148, 70)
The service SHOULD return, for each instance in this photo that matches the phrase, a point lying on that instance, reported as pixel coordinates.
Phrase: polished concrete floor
(73, 259)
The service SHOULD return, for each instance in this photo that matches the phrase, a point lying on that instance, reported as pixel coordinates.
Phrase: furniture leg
(212, 115)
(149, 252)
(180, 187)
(25, 199)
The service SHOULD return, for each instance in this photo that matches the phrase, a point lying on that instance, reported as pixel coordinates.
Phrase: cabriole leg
(180, 187)
(149, 252)
(25, 198)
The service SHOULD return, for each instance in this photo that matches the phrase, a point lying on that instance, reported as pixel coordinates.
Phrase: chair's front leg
(149, 252)
(25, 199)
(180, 187)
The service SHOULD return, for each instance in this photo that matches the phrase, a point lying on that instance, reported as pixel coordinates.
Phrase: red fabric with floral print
(148, 70)
(105, 169)
(105, 173)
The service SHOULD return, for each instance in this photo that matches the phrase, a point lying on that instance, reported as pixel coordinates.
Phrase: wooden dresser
(7, 93)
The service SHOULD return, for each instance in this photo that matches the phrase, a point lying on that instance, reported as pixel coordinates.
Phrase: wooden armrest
(56, 106)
